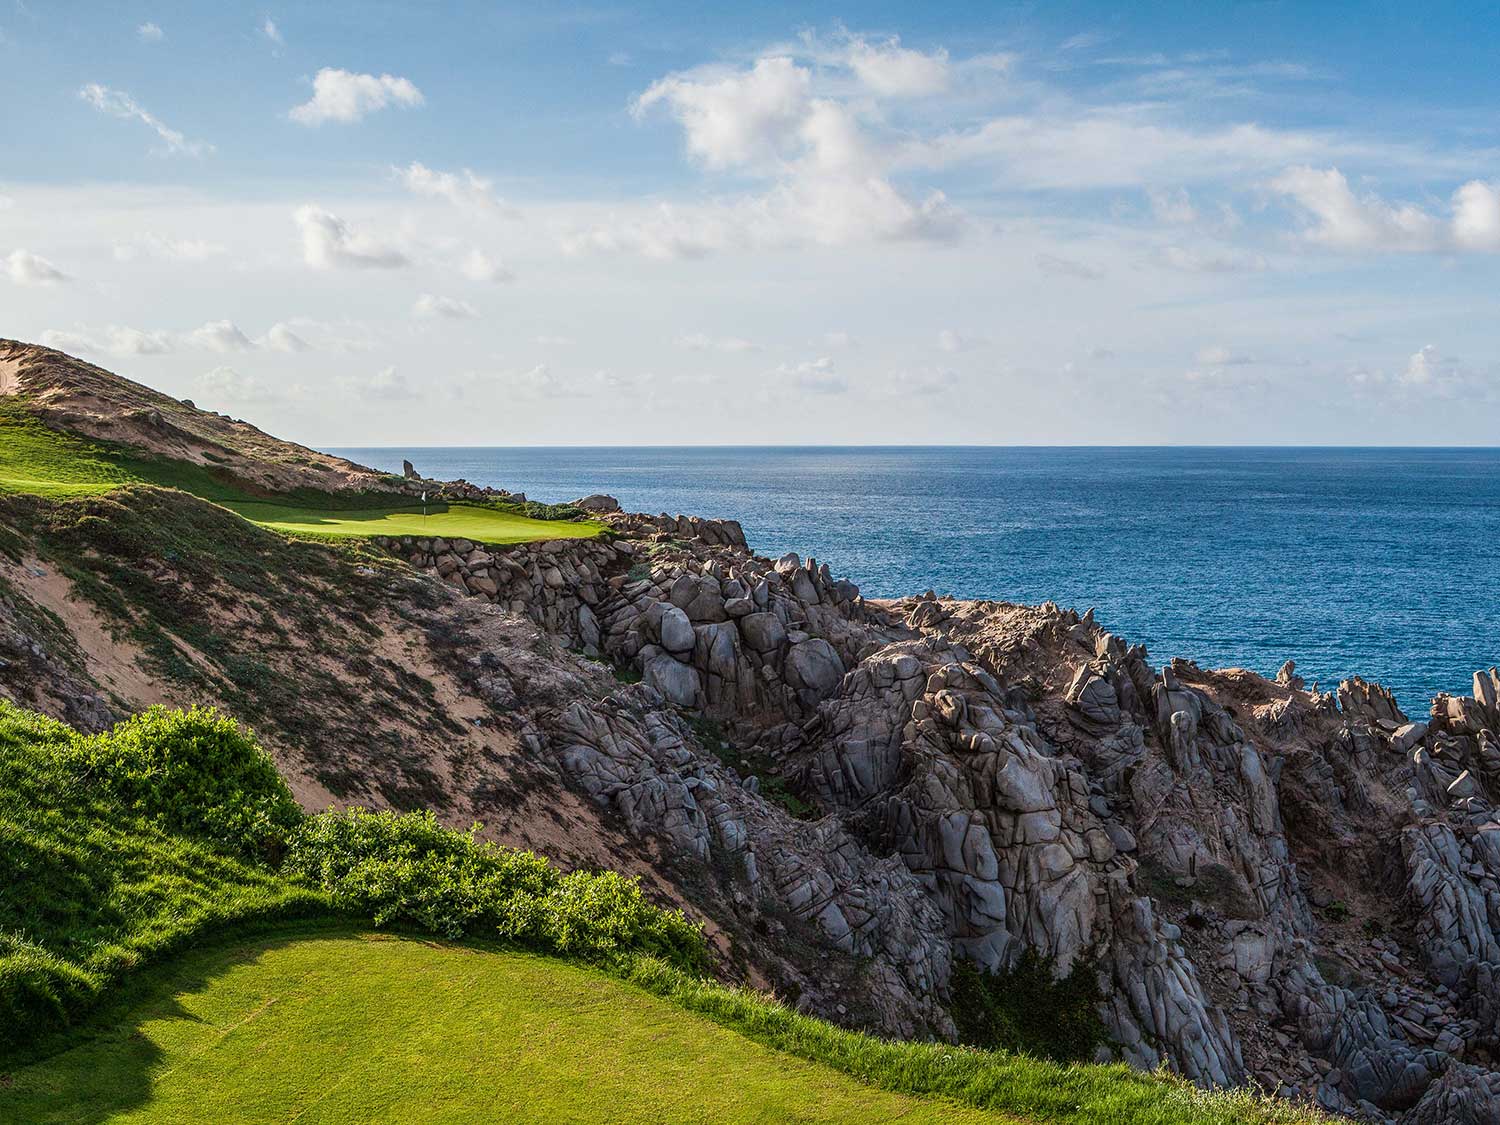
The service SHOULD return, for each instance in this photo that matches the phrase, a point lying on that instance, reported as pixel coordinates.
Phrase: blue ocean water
(1384, 562)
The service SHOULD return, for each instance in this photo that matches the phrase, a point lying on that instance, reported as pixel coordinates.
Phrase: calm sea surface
(1384, 562)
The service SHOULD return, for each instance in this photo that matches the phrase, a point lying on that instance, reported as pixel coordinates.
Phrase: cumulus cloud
(329, 243)
(117, 103)
(221, 336)
(429, 306)
(25, 268)
(701, 342)
(462, 189)
(893, 71)
(386, 384)
(346, 97)
(479, 266)
(150, 33)
(166, 249)
(116, 340)
(229, 385)
(1339, 218)
(1476, 216)
(829, 183)
(281, 338)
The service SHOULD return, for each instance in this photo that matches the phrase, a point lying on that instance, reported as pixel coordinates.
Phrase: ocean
(1381, 562)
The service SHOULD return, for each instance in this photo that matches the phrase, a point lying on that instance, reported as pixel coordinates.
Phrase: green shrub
(194, 772)
(117, 848)
(1029, 1008)
(409, 869)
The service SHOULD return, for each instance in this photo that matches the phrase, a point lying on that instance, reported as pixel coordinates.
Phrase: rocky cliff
(1276, 885)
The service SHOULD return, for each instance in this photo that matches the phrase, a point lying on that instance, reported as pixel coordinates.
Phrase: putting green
(456, 521)
(360, 1027)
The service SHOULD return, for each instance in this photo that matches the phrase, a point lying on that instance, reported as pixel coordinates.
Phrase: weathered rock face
(1274, 885)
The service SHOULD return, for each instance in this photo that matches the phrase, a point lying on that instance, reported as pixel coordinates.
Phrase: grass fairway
(455, 521)
(40, 461)
(351, 1028)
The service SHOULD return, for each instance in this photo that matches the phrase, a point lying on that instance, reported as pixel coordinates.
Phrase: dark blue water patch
(1384, 562)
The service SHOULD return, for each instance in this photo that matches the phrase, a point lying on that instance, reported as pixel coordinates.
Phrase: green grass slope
(39, 461)
(362, 1027)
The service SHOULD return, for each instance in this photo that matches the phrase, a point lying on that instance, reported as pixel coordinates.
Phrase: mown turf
(360, 1027)
(40, 461)
(456, 521)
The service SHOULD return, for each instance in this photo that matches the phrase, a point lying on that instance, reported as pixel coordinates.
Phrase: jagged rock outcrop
(997, 778)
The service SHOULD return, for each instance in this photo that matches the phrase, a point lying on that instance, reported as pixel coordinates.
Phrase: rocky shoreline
(1277, 885)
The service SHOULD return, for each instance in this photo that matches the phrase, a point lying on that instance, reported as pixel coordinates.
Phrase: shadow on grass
(106, 1065)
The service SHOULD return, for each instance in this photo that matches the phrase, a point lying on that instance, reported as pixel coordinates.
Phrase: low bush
(1027, 1007)
(408, 869)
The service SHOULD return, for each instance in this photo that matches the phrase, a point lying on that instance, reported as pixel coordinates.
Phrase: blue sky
(1059, 223)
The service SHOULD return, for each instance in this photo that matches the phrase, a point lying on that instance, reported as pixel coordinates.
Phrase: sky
(668, 224)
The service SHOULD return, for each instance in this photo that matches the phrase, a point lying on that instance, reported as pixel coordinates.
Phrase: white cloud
(281, 338)
(229, 385)
(556, 341)
(1211, 259)
(387, 383)
(1175, 207)
(829, 181)
(841, 340)
(25, 268)
(429, 305)
(701, 342)
(119, 104)
(1476, 216)
(951, 342)
(150, 33)
(743, 118)
(272, 32)
(1059, 266)
(815, 376)
(925, 382)
(221, 336)
(462, 189)
(135, 341)
(894, 71)
(1217, 355)
(1345, 221)
(116, 340)
(478, 266)
(346, 97)
(329, 243)
(166, 249)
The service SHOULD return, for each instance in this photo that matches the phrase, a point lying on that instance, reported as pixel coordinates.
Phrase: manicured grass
(39, 461)
(361, 1027)
(456, 521)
